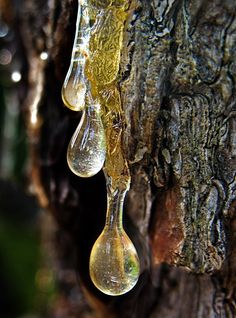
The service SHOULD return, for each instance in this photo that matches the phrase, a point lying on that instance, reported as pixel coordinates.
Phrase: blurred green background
(25, 285)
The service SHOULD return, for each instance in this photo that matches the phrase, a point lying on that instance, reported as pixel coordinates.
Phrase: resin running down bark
(114, 263)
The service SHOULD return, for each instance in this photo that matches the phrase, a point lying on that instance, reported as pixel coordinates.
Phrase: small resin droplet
(87, 149)
(114, 263)
(74, 88)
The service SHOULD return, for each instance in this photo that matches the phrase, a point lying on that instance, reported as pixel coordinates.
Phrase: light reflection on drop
(74, 87)
(87, 149)
(114, 264)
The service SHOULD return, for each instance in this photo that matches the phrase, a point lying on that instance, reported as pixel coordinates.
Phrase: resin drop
(74, 87)
(87, 149)
(114, 263)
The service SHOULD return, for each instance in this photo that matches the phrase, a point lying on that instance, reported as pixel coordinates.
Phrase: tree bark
(177, 84)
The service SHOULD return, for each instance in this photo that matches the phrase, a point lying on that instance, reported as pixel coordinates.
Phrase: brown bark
(177, 84)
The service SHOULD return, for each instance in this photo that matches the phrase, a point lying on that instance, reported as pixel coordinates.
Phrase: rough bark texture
(177, 83)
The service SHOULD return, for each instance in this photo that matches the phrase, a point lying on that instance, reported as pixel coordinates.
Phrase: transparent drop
(74, 87)
(114, 263)
(87, 149)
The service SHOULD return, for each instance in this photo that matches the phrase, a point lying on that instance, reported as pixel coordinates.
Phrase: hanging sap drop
(74, 87)
(114, 263)
(87, 149)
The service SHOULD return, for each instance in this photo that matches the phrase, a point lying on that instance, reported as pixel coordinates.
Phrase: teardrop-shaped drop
(74, 87)
(87, 149)
(114, 263)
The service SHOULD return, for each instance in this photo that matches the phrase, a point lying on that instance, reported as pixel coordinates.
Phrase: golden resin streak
(114, 263)
(102, 69)
(103, 65)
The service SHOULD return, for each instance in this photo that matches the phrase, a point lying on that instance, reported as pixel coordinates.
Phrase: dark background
(25, 284)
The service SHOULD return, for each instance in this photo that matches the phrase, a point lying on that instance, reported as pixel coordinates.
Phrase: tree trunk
(177, 86)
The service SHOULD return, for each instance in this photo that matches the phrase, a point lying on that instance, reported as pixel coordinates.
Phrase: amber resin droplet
(114, 263)
(74, 87)
(87, 149)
